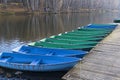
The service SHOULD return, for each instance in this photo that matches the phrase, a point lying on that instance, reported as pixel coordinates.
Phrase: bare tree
(4, 2)
(57, 6)
(31, 5)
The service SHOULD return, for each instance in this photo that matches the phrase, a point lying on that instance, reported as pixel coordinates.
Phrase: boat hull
(61, 46)
(94, 29)
(83, 35)
(36, 63)
(49, 52)
(70, 42)
(76, 38)
(102, 26)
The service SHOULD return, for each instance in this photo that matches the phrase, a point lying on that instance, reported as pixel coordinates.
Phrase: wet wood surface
(102, 62)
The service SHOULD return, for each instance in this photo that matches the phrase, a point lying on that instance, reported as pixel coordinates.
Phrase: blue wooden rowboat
(49, 52)
(36, 62)
(103, 26)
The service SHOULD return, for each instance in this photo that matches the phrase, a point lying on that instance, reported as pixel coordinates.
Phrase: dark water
(17, 30)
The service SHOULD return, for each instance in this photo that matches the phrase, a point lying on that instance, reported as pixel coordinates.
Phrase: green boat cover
(86, 34)
(76, 38)
(63, 46)
(74, 42)
(64, 40)
(82, 36)
(94, 29)
(89, 30)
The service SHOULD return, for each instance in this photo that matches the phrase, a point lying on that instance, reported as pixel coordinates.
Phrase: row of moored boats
(58, 52)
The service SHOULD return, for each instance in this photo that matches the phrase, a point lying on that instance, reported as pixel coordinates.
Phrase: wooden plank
(102, 62)
(103, 69)
(110, 53)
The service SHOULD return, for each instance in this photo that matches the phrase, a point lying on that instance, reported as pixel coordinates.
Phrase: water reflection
(22, 29)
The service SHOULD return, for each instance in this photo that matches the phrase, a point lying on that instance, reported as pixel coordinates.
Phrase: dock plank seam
(89, 67)
(113, 75)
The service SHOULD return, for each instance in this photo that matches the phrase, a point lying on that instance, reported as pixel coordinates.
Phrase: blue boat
(49, 52)
(27, 62)
(102, 26)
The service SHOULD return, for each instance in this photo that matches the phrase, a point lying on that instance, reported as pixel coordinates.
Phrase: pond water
(16, 30)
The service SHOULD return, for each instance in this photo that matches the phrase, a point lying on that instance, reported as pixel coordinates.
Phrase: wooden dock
(102, 62)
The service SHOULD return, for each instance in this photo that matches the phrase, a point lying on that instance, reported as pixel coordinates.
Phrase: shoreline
(21, 11)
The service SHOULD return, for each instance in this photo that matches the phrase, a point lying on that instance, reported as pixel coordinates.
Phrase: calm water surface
(18, 30)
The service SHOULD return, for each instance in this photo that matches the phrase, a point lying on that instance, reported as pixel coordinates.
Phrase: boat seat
(35, 62)
(6, 59)
(51, 54)
(26, 51)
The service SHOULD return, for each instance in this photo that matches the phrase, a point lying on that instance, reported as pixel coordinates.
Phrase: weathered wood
(102, 62)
